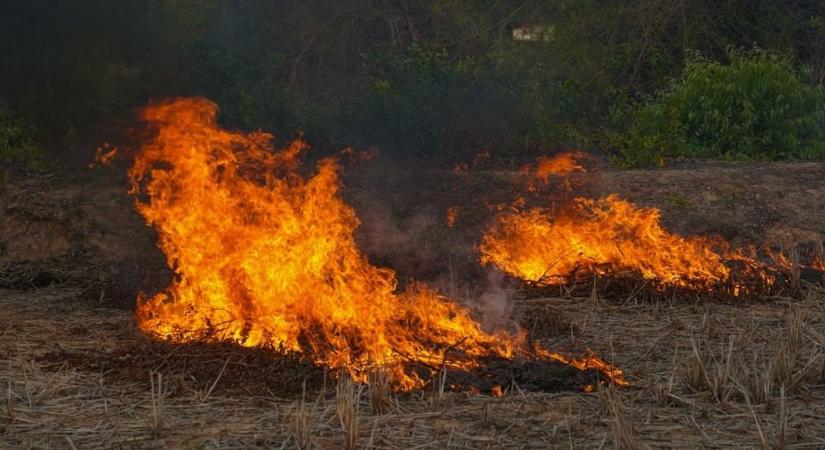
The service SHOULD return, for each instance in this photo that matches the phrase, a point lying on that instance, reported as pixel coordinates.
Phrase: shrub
(755, 107)
(18, 146)
(428, 103)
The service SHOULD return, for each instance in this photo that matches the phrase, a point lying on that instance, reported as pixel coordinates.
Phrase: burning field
(319, 305)
(266, 257)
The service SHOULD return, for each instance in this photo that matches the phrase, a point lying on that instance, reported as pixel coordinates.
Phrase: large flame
(265, 256)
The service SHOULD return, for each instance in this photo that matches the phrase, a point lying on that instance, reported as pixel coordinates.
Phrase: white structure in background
(533, 33)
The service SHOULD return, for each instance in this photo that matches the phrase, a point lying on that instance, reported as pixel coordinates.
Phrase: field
(704, 372)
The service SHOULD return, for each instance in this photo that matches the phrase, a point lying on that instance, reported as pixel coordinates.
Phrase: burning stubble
(582, 238)
(266, 256)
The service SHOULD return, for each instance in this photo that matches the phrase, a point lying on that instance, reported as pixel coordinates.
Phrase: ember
(104, 155)
(452, 215)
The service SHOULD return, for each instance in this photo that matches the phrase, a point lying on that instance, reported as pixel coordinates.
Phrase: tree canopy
(437, 79)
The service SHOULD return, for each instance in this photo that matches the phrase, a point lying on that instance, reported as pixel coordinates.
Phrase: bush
(430, 104)
(755, 107)
(18, 146)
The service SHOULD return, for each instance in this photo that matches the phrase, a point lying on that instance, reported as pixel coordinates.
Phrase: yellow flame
(606, 236)
(265, 256)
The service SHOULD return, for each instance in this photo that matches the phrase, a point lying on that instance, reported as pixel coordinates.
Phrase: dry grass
(713, 374)
(302, 430)
(347, 405)
(624, 435)
(158, 397)
(379, 391)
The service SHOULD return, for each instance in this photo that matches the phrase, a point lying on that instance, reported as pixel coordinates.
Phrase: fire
(818, 263)
(556, 168)
(599, 236)
(610, 236)
(561, 165)
(265, 256)
(104, 155)
(605, 236)
(452, 215)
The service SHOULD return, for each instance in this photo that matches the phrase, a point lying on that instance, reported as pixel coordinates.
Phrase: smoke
(413, 237)
(496, 302)
(420, 245)
(385, 236)
(406, 223)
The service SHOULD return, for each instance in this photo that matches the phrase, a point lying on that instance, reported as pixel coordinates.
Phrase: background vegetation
(644, 80)
(18, 143)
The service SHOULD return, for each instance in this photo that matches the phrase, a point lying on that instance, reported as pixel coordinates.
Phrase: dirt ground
(75, 372)
(704, 375)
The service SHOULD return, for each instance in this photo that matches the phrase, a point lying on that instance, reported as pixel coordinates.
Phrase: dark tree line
(416, 78)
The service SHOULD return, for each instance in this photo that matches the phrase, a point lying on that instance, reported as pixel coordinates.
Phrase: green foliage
(757, 106)
(435, 79)
(428, 103)
(411, 94)
(18, 146)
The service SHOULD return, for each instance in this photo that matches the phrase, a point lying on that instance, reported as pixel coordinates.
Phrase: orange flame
(604, 236)
(561, 165)
(452, 215)
(104, 155)
(265, 256)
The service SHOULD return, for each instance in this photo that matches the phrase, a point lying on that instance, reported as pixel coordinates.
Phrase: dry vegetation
(704, 374)
(75, 373)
